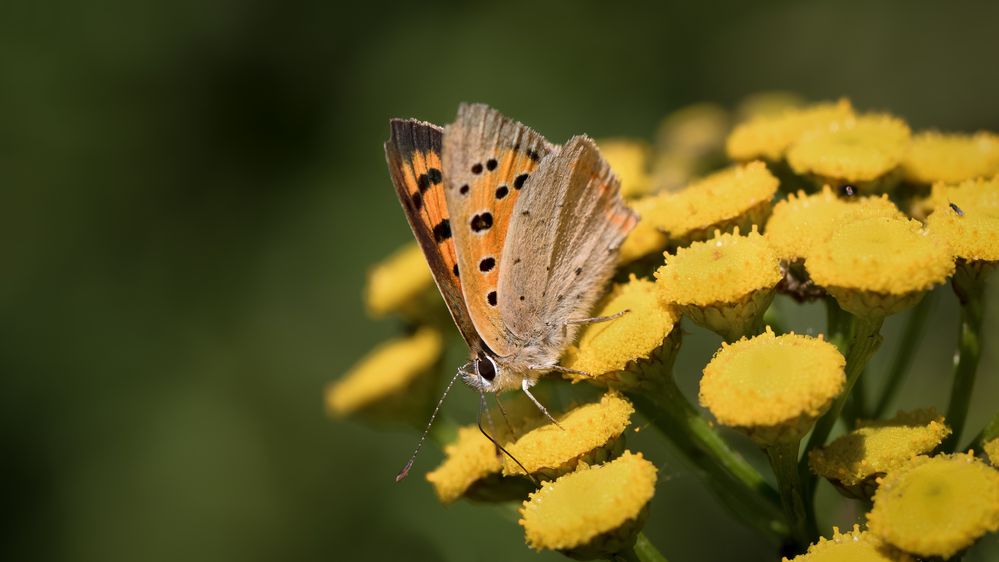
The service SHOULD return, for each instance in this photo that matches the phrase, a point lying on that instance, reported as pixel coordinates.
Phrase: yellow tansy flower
(767, 104)
(879, 266)
(854, 546)
(646, 238)
(737, 196)
(991, 449)
(936, 506)
(856, 150)
(772, 387)
(971, 225)
(608, 350)
(941, 157)
(696, 131)
(724, 284)
(768, 136)
(854, 461)
(629, 159)
(471, 469)
(594, 512)
(396, 380)
(401, 283)
(588, 434)
(800, 221)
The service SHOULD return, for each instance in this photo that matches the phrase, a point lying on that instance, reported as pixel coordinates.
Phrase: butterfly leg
(526, 387)
(597, 319)
(562, 369)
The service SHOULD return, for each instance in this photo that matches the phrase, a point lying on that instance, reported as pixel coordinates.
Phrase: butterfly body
(521, 235)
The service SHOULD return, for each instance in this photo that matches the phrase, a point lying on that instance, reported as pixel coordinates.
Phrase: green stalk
(914, 328)
(970, 289)
(642, 551)
(988, 433)
(784, 461)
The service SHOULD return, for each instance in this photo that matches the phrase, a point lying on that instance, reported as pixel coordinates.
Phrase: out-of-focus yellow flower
(401, 283)
(470, 459)
(594, 512)
(936, 506)
(799, 222)
(396, 380)
(590, 434)
(854, 461)
(941, 157)
(770, 104)
(879, 266)
(971, 225)
(738, 196)
(695, 131)
(629, 159)
(772, 387)
(857, 150)
(991, 449)
(724, 284)
(854, 546)
(608, 350)
(768, 136)
(646, 238)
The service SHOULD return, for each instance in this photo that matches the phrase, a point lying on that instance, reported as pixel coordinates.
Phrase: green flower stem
(988, 433)
(865, 337)
(642, 551)
(784, 461)
(734, 481)
(914, 329)
(773, 318)
(970, 290)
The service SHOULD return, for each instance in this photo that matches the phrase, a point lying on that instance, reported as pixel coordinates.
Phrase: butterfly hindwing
(570, 221)
(488, 161)
(413, 152)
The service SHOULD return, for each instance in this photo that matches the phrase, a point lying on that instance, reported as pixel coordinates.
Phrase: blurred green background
(193, 191)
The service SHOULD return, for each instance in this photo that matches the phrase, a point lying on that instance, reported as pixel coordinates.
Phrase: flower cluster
(745, 215)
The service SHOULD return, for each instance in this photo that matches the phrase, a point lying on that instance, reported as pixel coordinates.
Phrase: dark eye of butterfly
(484, 366)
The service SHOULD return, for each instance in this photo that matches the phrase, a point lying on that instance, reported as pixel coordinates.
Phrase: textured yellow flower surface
(991, 449)
(723, 269)
(800, 221)
(629, 159)
(878, 446)
(860, 148)
(606, 347)
(769, 380)
(388, 369)
(941, 157)
(881, 255)
(854, 546)
(397, 281)
(937, 506)
(585, 429)
(768, 136)
(972, 229)
(467, 460)
(735, 196)
(580, 506)
(646, 238)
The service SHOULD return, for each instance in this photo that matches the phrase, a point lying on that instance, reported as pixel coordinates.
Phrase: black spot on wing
(519, 182)
(487, 264)
(481, 222)
(491, 298)
(442, 231)
(501, 191)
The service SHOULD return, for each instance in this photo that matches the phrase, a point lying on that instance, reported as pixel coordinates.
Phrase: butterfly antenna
(405, 470)
(499, 404)
(482, 407)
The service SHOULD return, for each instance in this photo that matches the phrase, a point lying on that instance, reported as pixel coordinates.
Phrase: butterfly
(521, 237)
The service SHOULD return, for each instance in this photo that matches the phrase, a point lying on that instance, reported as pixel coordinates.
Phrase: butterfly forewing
(413, 152)
(569, 223)
(488, 162)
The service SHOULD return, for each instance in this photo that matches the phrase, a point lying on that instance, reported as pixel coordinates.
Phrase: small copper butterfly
(521, 236)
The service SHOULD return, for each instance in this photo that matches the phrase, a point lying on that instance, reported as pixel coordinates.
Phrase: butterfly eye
(485, 367)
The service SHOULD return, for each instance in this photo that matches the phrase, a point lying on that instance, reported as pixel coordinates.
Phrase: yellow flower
(608, 350)
(767, 104)
(879, 266)
(401, 283)
(471, 469)
(856, 150)
(854, 461)
(646, 238)
(724, 284)
(696, 131)
(737, 196)
(972, 228)
(936, 506)
(629, 159)
(772, 387)
(589, 434)
(594, 512)
(799, 222)
(855, 546)
(942, 157)
(396, 380)
(991, 449)
(769, 136)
